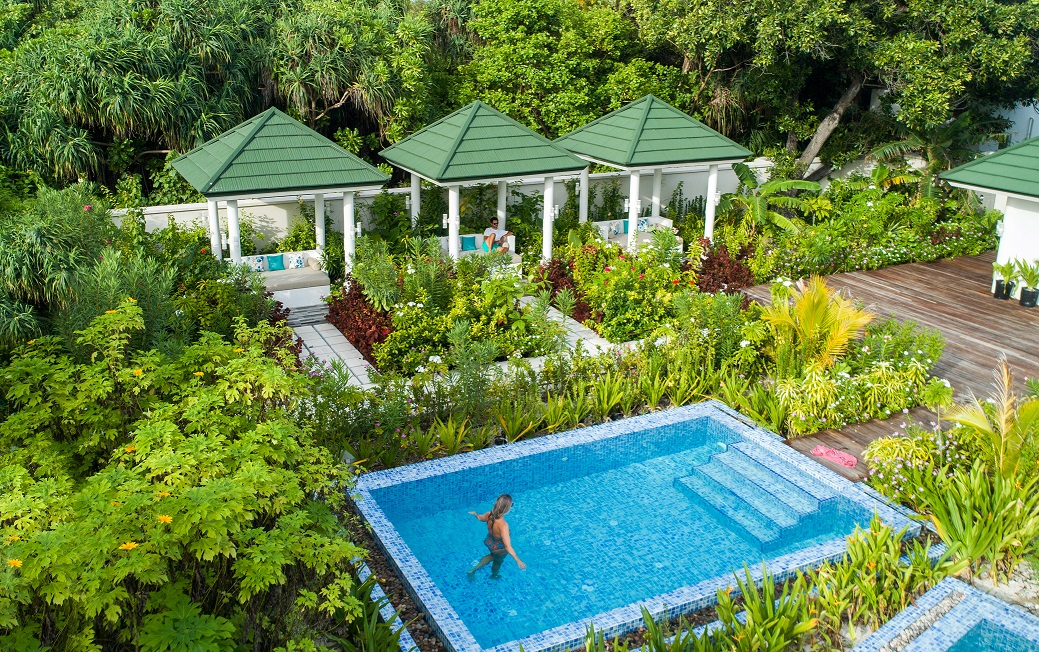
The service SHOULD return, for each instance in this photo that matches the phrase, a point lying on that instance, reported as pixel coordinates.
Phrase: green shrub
(984, 518)
(136, 487)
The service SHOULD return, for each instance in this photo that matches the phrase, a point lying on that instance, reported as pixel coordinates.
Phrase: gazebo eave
(650, 168)
(992, 191)
(558, 174)
(290, 192)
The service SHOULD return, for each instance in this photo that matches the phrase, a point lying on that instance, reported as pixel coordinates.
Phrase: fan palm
(944, 146)
(761, 203)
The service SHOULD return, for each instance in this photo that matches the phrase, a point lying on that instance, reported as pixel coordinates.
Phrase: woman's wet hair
(501, 507)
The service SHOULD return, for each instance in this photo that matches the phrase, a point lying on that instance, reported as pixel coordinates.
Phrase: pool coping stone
(948, 629)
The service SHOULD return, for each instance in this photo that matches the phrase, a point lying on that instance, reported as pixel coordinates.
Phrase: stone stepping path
(326, 343)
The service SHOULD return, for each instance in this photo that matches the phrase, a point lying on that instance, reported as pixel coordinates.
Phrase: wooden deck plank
(954, 297)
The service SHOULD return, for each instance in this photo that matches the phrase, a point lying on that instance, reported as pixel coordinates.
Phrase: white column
(453, 220)
(319, 220)
(503, 197)
(416, 198)
(582, 209)
(1005, 245)
(546, 219)
(712, 191)
(658, 179)
(214, 227)
(349, 230)
(633, 209)
(234, 235)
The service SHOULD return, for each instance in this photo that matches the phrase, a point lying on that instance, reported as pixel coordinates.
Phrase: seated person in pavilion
(495, 239)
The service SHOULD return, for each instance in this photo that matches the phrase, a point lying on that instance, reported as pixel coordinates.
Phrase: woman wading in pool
(497, 540)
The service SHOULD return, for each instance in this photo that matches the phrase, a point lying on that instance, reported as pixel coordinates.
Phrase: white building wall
(1024, 122)
(1020, 237)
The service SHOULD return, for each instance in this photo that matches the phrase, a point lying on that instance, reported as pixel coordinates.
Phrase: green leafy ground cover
(158, 487)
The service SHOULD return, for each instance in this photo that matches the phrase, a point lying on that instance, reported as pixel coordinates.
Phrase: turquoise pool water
(987, 635)
(608, 523)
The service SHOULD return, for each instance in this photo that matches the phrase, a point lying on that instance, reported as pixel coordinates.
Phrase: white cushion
(255, 263)
(294, 260)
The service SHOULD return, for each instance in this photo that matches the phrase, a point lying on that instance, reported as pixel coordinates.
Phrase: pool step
(731, 509)
(767, 505)
(786, 470)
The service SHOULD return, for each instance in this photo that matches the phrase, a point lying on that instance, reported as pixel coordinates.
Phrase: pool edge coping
(975, 606)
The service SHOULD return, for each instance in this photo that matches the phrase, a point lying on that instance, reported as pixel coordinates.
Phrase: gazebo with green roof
(1012, 175)
(475, 145)
(271, 155)
(647, 135)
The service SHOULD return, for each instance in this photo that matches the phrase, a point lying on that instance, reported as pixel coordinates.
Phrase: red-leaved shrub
(559, 274)
(721, 272)
(358, 321)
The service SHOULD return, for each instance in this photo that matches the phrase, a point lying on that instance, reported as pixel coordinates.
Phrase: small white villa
(1012, 175)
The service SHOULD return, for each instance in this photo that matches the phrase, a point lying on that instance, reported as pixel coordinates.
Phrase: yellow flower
(131, 448)
(129, 545)
(165, 518)
(238, 350)
(111, 312)
(14, 563)
(116, 503)
(14, 537)
(199, 373)
(138, 372)
(164, 494)
(131, 299)
(31, 342)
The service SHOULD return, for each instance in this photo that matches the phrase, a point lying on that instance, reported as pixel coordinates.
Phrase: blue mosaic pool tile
(974, 609)
(720, 419)
(388, 611)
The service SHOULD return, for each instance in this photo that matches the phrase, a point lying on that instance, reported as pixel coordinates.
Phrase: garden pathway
(953, 296)
(576, 331)
(326, 343)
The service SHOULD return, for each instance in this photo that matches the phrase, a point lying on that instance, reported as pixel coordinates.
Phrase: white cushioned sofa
(295, 277)
(472, 243)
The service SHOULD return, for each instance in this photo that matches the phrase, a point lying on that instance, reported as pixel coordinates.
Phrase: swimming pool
(956, 617)
(655, 511)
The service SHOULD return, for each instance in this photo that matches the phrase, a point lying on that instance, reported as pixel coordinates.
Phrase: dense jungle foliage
(109, 90)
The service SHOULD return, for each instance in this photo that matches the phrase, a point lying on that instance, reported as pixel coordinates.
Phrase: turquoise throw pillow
(468, 243)
(275, 263)
(625, 226)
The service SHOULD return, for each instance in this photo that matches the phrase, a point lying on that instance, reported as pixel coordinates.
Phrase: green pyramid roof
(271, 152)
(479, 142)
(1014, 169)
(650, 132)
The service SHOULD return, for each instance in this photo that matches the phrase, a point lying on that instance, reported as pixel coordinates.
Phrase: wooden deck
(950, 295)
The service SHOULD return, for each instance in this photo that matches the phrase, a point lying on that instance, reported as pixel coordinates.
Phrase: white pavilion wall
(1020, 237)
(272, 217)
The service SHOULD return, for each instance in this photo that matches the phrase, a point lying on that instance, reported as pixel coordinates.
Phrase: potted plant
(1005, 283)
(1029, 275)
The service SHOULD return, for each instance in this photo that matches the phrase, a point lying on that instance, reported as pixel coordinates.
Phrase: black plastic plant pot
(1004, 290)
(1029, 297)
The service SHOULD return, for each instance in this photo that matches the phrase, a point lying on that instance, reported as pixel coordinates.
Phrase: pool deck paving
(953, 296)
